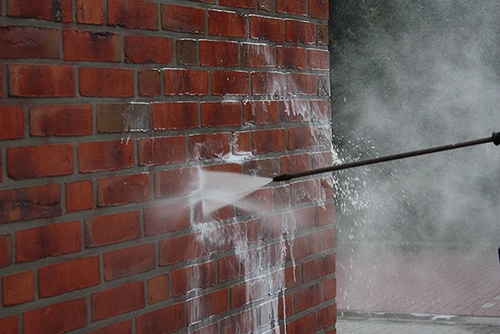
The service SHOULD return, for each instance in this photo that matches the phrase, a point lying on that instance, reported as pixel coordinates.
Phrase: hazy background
(407, 75)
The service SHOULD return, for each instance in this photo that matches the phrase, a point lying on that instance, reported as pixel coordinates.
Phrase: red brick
(105, 155)
(318, 9)
(321, 110)
(79, 196)
(158, 289)
(218, 53)
(91, 46)
(238, 3)
(306, 321)
(308, 297)
(110, 229)
(187, 278)
(49, 240)
(176, 182)
(209, 145)
(307, 245)
(30, 203)
(175, 115)
(40, 161)
(305, 191)
(124, 327)
(11, 122)
(217, 114)
(247, 292)
(327, 317)
(183, 18)
(134, 14)
(295, 110)
(258, 55)
(56, 318)
(170, 318)
(117, 300)
(230, 83)
(330, 287)
(166, 218)
(60, 278)
(18, 288)
(1, 81)
(326, 263)
(178, 249)
(90, 12)
(319, 59)
(185, 82)
(119, 190)
(129, 261)
(41, 80)
(148, 49)
(106, 82)
(230, 267)
(29, 42)
(301, 138)
(208, 305)
(162, 150)
(260, 112)
(308, 270)
(149, 82)
(325, 214)
(5, 250)
(61, 120)
(301, 84)
(9, 325)
(292, 57)
(264, 229)
(263, 27)
(268, 83)
(59, 11)
(300, 32)
(297, 7)
(272, 140)
(229, 24)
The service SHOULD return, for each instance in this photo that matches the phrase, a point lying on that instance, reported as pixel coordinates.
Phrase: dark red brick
(110, 229)
(327, 317)
(218, 53)
(106, 82)
(239, 3)
(41, 80)
(61, 120)
(18, 288)
(91, 46)
(208, 305)
(318, 9)
(187, 52)
(58, 11)
(268, 83)
(319, 59)
(301, 138)
(90, 12)
(105, 155)
(11, 122)
(300, 32)
(149, 82)
(175, 115)
(230, 83)
(134, 14)
(183, 18)
(158, 289)
(29, 42)
(129, 261)
(301, 84)
(117, 300)
(119, 190)
(148, 49)
(170, 318)
(5, 250)
(292, 57)
(217, 114)
(296, 7)
(263, 27)
(79, 196)
(10, 324)
(185, 82)
(266, 141)
(162, 150)
(224, 23)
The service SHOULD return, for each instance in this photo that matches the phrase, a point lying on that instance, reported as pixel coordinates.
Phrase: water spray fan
(494, 138)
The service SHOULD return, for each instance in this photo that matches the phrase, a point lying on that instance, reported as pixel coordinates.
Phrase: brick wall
(107, 110)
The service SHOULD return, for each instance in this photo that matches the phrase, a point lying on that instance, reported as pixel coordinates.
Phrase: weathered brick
(129, 261)
(187, 278)
(56, 318)
(263, 27)
(149, 82)
(30, 203)
(119, 190)
(10, 324)
(40, 161)
(18, 288)
(301, 138)
(59, 11)
(5, 250)
(295, 110)
(183, 18)
(117, 300)
(124, 327)
(322, 34)
(258, 55)
(48, 240)
(90, 12)
(61, 120)
(110, 229)
(266, 5)
(170, 318)
(11, 122)
(224, 23)
(319, 59)
(272, 140)
(268, 83)
(175, 115)
(162, 150)
(299, 32)
(292, 57)
(294, 163)
(260, 112)
(123, 117)
(240, 142)
(79, 196)
(167, 218)
(178, 249)
(105, 155)
(217, 114)
(318, 9)
(218, 301)
(29, 42)
(148, 49)
(218, 53)
(301, 84)
(91, 46)
(158, 289)
(134, 14)
(106, 82)
(187, 52)
(230, 83)
(68, 276)
(296, 7)
(209, 145)
(41, 80)
(185, 82)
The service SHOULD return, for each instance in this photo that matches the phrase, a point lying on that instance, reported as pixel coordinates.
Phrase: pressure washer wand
(495, 138)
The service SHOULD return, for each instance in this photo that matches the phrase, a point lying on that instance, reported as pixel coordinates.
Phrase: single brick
(105, 155)
(308, 297)
(134, 14)
(149, 82)
(319, 59)
(10, 324)
(230, 83)
(175, 115)
(300, 32)
(183, 18)
(187, 52)
(56, 318)
(129, 261)
(324, 85)
(68, 276)
(326, 263)
(5, 250)
(258, 55)
(148, 49)
(301, 84)
(11, 122)
(306, 245)
(224, 23)
(301, 138)
(266, 5)
(119, 190)
(117, 300)
(58, 11)
(158, 289)
(79, 196)
(318, 9)
(218, 301)
(40, 161)
(322, 34)
(330, 288)
(167, 218)
(110, 229)
(217, 114)
(179, 249)
(18, 288)
(185, 82)
(187, 278)
(115, 328)
(295, 110)
(106, 82)
(162, 150)
(209, 145)
(218, 53)
(29, 42)
(296, 326)
(41, 80)
(263, 27)
(167, 319)
(61, 120)
(266, 141)
(91, 46)
(49, 240)
(296, 7)
(123, 117)
(268, 83)
(176, 182)
(240, 142)
(260, 112)
(30, 203)
(90, 12)
(292, 57)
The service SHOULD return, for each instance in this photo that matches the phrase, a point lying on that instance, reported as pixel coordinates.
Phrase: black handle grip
(496, 138)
